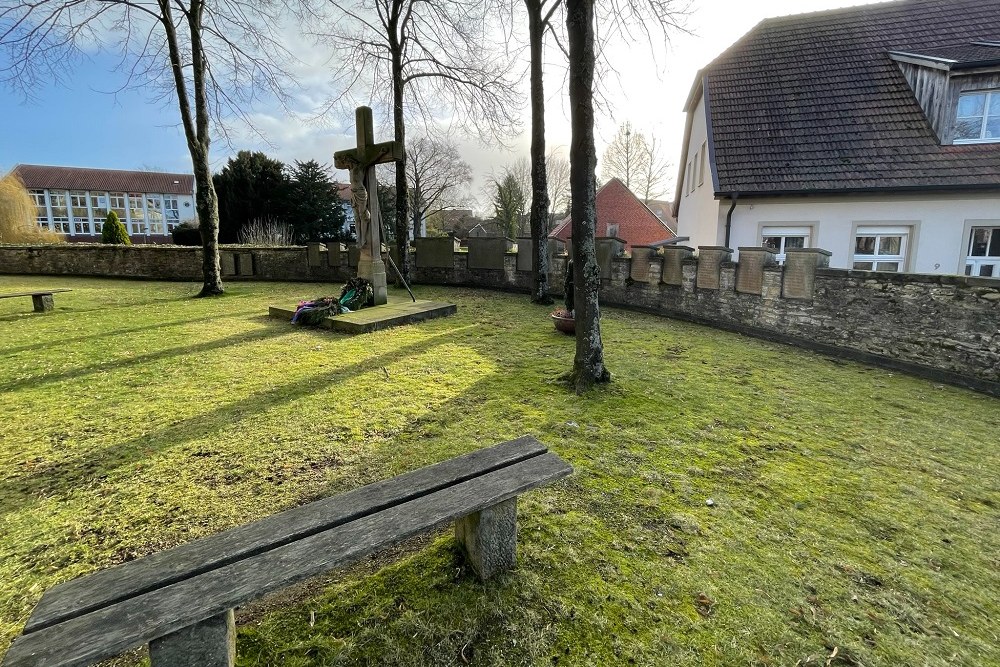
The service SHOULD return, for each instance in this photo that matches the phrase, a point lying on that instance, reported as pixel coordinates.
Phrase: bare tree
(621, 17)
(436, 56)
(212, 56)
(557, 173)
(540, 15)
(509, 204)
(626, 157)
(436, 176)
(588, 364)
(653, 179)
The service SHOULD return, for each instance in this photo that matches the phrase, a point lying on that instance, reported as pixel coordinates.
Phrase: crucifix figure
(360, 162)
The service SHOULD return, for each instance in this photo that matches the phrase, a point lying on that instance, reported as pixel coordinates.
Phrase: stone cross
(361, 163)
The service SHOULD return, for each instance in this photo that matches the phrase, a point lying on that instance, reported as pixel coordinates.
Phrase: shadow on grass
(48, 345)
(68, 475)
(169, 353)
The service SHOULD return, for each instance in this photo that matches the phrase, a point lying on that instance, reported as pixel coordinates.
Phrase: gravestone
(360, 162)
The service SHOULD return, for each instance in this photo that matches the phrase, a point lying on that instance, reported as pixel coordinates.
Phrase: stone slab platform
(393, 314)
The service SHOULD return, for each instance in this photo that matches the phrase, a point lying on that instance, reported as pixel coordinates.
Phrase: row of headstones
(757, 272)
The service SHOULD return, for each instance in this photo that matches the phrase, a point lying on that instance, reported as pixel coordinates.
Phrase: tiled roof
(813, 102)
(966, 55)
(40, 177)
(616, 205)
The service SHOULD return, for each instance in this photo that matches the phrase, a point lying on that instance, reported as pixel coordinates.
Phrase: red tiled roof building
(623, 215)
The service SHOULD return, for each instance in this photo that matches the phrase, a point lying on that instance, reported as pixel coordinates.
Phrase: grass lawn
(855, 516)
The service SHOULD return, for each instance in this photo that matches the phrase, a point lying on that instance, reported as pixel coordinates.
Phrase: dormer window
(978, 117)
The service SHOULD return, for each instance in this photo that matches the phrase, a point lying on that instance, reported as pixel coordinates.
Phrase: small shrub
(17, 215)
(187, 233)
(267, 233)
(114, 231)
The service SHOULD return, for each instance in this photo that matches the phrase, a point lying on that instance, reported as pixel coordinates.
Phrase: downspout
(733, 196)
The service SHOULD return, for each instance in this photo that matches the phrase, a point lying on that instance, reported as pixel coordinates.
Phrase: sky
(82, 123)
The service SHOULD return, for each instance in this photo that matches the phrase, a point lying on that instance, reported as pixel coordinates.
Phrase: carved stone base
(490, 538)
(210, 643)
(373, 270)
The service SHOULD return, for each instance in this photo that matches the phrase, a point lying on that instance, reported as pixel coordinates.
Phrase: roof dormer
(958, 88)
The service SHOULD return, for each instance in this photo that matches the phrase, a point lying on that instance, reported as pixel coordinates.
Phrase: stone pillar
(607, 249)
(244, 264)
(800, 271)
(673, 257)
(318, 255)
(435, 252)
(750, 275)
(489, 538)
(727, 276)
(689, 274)
(641, 256)
(487, 252)
(227, 261)
(620, 269)
(43, 303)
(710, 259)
(208, 643)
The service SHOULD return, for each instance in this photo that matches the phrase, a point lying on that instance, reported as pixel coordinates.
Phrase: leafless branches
(437, 176)
(452, 69)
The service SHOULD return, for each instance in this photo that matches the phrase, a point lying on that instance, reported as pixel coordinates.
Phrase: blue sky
(78, 124)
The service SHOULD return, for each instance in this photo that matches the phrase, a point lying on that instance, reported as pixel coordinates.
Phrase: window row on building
(885, 248)
(80, 212)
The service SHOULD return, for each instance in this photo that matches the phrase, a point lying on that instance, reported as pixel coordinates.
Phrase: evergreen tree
(250, 187)
(114, 231)
(314, 209)
(508, 204)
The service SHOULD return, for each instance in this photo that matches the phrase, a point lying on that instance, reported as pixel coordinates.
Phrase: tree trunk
(539, 184)
(399, 127)
(417, 204)
(207, 206)
(196, 132)
(588, 365)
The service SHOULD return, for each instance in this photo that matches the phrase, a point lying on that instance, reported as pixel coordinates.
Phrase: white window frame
(41, 208)
(171, 212)
(982, 139)
(136, 203)
(154, 214)
(974, 264)
(784, 233)
(61, 223)
(80, 200)
(701, 164)
(877, 258)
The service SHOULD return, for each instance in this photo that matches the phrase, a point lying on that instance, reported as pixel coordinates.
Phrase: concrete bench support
(210, 643)
(489, 538)
(43, 303)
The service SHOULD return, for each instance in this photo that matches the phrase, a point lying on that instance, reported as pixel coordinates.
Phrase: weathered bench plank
(111, 630)
(41, 301)
(105, 587)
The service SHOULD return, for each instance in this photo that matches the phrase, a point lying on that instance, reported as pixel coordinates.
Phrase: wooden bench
(181, 600)
(41, 300)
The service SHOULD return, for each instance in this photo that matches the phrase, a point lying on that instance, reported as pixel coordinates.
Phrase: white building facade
(75, 201)
(893, 165)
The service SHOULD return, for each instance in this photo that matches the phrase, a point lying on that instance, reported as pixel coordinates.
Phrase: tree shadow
(67, 475)
(48, 345)
(119, 364)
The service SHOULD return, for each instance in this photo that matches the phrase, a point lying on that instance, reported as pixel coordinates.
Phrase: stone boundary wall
(946, 328)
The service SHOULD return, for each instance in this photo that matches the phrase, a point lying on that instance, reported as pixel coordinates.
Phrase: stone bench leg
(489, 538)
(210, 643)
(43, 302)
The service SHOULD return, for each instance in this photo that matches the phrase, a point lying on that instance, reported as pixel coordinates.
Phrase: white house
(75, 201)
(871, 131)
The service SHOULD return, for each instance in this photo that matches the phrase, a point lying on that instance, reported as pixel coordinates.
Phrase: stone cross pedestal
(361, 163)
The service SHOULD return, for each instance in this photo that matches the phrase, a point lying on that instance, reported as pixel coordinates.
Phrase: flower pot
(563, 323)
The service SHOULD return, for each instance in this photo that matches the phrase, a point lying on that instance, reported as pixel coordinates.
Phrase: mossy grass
(853, 520)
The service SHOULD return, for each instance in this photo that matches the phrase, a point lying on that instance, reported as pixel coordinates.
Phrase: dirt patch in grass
(734, 501)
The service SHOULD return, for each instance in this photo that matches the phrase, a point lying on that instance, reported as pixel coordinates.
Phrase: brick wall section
(942, 327)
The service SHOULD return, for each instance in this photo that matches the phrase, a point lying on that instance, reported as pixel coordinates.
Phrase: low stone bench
(42, 301)
(180, 601)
